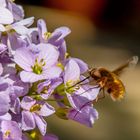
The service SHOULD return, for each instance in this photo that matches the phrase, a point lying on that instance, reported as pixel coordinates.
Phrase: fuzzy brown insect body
(109, 81)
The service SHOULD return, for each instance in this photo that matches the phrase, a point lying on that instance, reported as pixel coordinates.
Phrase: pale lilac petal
(6, 116)
(49, 53)
(31, 77)
(20, 29)
(25, 22)
(77, 102)
(83, 66)
(24, 58)
(86, 116)
(17, 106)
(27, 102)
(42, 85)
(13, 127)
(42, 29)
(89, 92)
(46, 110)
(51, 73)
(3, 48)
(2, 3)
(41, 123)
(17, 11)
(4, 103)
(64, 31)
(16, 42)
(72, 72)
(6, 16)
(62, 49)
(2, 28)
(28, 122)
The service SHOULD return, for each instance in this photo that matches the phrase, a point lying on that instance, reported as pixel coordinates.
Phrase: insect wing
(130, 63)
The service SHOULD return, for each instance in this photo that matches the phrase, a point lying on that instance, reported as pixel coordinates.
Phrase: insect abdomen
(116, 90)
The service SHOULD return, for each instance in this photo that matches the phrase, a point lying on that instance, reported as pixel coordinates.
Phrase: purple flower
(10, 131)
(33, 113)
(38, 66)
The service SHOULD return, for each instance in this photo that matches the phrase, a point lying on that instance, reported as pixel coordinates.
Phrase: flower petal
(41, 123)
(7, 117)
(24, 58)
(12, 126)
(52, 73)
(16, 10)
(28, 122)
(72, 72)
(25, 22)
(31, 77)
(46, 110)
(42, 29)
(20, 29)
(49, 53)
(27, 102)
(6, 16)
(86, 116)
(1, 69)
(63, 31)
(2, 28)
(2, 3)
(83, 66)
(4, 103)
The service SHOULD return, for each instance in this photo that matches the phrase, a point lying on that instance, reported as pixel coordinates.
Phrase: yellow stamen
(35, 108)
(47, 35)
(7, 133)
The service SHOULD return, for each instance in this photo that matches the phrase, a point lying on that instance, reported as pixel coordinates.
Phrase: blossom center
(70, 88)
(47, 35)
(35, 108)
(7, 134)
(38, 66)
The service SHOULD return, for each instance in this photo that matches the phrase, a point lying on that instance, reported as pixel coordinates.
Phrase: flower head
(38, 66)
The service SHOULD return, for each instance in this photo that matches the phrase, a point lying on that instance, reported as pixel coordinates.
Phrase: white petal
(2, 3)
(6, 16)
(26, 22)
(72, 71)
(20, 29)
(2, 28)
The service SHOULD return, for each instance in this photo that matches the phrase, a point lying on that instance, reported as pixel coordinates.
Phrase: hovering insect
(109, 81)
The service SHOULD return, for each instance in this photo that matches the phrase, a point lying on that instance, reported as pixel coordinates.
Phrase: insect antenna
(79, 82)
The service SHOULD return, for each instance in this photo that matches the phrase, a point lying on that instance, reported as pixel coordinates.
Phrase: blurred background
(104, 33)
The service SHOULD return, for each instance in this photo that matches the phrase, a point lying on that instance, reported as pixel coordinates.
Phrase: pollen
(47, 35)
(35, 108)
(7, 134)
(60, 65)
(38, 66)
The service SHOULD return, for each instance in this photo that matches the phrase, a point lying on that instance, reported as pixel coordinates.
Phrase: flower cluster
(36, 69)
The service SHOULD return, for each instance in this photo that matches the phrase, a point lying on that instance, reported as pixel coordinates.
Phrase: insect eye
(109, 90)
(95, 77)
